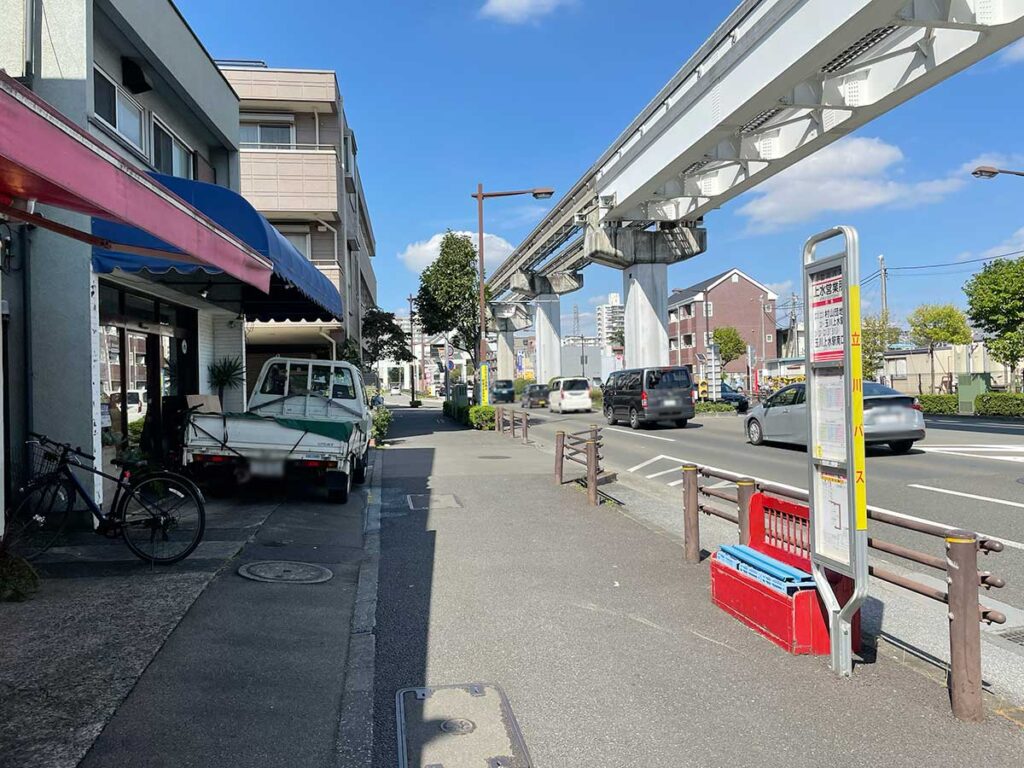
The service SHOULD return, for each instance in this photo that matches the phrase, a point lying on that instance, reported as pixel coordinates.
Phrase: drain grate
(286, 571)
(422, 501)
(1014, 635)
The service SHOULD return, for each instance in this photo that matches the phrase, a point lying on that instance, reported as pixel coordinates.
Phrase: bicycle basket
(42, 459)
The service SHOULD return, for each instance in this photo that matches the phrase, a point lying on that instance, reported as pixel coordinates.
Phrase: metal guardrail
(960, 565)
(583, 448)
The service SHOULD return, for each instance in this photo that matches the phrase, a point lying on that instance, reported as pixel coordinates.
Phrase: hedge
(456, 412)
(704, 406)
(999, 404)
(945, 405)
(381, 423)
(481, 417)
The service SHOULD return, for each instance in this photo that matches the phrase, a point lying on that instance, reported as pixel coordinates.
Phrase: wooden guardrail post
(526, 427)
(691, 521)
(559, 456)
(512, 423)
(744, 492)
(592, 472)
(964, 629)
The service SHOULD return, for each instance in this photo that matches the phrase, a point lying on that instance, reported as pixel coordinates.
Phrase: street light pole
(989, 172)
(412, 349)
(539, 193)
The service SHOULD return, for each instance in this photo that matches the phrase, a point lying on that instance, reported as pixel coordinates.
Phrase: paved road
(964, 474)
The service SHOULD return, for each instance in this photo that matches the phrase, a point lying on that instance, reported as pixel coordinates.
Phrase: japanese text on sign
(827, 317)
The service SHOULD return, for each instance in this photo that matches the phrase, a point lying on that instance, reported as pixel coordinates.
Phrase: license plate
(671, 402)
(888, 418)
(266, 468)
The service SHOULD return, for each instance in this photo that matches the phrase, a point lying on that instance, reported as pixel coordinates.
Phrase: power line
(959, 263)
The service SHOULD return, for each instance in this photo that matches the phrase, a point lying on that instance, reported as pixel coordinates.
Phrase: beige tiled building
(299, 169)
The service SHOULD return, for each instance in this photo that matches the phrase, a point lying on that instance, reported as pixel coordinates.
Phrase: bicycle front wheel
(162, 518)
(36, 522)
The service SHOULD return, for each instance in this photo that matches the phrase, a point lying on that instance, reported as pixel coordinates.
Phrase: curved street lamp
(538, 193)
(990, 172)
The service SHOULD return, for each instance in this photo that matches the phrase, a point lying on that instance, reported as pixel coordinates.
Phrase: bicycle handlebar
(65, 446)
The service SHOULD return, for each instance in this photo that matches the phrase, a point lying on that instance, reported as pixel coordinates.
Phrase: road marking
(975, 423)
(640, 434)
(663, 472)
(947, 452)
(1016, 504)
(644, 464)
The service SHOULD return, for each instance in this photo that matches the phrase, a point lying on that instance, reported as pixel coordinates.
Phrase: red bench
(798, 622)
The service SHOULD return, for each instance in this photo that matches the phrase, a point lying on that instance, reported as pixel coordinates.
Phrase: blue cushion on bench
(771, 572)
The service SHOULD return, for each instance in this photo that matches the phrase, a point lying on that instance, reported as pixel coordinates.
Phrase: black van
(646, 395)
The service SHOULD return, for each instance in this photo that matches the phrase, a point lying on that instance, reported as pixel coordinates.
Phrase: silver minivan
(570, 394)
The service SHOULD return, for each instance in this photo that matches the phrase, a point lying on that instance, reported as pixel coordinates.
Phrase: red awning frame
(46, 159)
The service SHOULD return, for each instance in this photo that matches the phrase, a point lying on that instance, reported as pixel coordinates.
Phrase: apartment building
(611, 321)
(731, 298)
(133, 260)
(298, 159)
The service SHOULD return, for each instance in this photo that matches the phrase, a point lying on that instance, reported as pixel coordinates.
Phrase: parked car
(396, 390)
(570, 394)
(648, 395)
(535, 395)
(503, 391)
(735, 398)
(889, 417)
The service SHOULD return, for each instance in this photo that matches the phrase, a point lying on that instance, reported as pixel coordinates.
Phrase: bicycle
(161, 515)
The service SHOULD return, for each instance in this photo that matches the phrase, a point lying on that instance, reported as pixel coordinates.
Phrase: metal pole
(412, 350)
(744, 492)
(559, 456)
(964, 630)
(480, 257)
(885, 276)
(592, 472)
(691, 521)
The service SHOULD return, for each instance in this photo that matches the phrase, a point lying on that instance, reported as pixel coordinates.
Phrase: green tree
(995, 304)
(384, 339)
(934, 324)
(617, 338)
(730, 344)
(877, 335)
(447, 299)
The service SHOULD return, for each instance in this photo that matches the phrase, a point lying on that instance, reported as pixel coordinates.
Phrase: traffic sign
(451, 365)
(835, 413)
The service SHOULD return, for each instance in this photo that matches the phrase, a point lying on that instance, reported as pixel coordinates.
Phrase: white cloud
(420, 255)
(1013, 244)
(598, 300)
(853, 174)
(1014, 54)
(782, 289)
(588, 323)
(520, 11)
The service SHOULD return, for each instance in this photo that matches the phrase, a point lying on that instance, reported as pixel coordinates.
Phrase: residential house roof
(681, 295)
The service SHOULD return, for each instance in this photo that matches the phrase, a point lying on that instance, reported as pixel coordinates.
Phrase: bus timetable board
(835, 410)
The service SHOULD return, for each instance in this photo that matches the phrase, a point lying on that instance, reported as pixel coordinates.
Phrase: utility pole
(412, 348)
(885, 279)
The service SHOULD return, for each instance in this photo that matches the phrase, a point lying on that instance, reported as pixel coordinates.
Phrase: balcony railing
(291, 180)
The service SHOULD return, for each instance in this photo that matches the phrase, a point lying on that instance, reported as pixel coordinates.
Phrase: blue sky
(523, 93)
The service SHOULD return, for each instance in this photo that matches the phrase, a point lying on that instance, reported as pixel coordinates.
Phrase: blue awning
(234, 213)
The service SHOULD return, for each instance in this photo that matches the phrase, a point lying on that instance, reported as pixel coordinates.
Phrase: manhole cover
(432, 501)
(286, 571)
(1014, 635)
(1020, 480)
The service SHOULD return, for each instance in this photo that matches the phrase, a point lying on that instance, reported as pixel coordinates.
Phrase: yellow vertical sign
(857, 409)
(485, 383)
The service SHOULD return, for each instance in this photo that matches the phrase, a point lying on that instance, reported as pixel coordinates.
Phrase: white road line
(978, 448)
(674, 483)
(644, 464)
(944, 452)
(640, 434)
(1004, 502)
(663, 472)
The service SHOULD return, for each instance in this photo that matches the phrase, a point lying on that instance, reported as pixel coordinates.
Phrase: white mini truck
(306, 417)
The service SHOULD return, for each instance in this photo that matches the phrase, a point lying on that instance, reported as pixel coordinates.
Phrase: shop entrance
(148, 363)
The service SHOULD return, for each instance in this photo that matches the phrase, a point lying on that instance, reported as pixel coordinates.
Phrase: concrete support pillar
(507, 354)
(646, 315)
(548, 325)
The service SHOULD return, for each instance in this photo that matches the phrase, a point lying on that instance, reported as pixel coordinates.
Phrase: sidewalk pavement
(189, 665)
(606, 643)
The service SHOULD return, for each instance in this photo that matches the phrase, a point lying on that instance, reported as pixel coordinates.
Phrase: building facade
(731, 298)
(298, 168)
(610, 321)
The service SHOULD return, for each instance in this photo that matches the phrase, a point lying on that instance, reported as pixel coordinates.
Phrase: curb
(354, 745)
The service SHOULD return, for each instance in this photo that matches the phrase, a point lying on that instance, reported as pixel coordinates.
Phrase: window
(170, 154)
(709, 309)
(687, 340)
(320, 382)
(300, 240)
(768, 338)
(673, 343)
(298, 376)
(673, 315)
(273, 384)
(688, 310)
(735, 278)
(117, 109)
(266, 135)
(786, 396)
(898, 368)
(668, 378)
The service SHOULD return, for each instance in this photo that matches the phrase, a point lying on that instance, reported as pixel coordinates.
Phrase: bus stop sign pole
(835, 445)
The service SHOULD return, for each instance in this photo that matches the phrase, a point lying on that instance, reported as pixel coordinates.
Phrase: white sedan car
(570, 394)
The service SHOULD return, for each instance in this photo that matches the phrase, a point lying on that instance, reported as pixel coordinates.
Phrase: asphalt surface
(965, 473)
(607, 645)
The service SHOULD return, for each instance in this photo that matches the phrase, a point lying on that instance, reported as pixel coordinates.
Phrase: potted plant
(226, 373)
